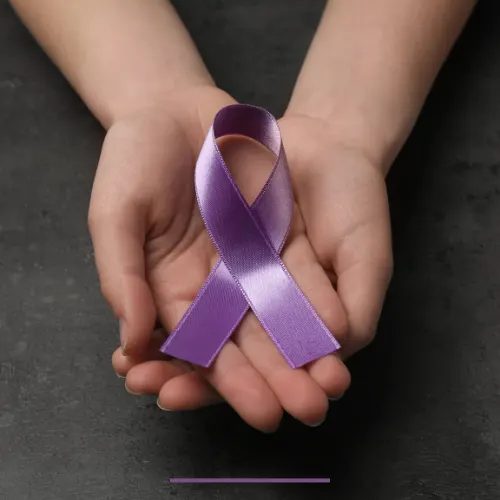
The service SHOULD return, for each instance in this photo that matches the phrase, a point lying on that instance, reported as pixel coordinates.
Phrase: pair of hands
(153, 254)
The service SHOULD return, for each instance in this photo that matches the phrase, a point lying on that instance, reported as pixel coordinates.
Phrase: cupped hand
(153, 255)
(342, 197)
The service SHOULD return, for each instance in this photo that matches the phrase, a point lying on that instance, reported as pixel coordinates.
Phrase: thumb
(117, 226)
(118, 246)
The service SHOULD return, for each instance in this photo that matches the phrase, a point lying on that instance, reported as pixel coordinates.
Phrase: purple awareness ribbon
(249, 240)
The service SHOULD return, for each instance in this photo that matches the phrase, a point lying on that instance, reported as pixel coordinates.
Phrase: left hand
(343, 201)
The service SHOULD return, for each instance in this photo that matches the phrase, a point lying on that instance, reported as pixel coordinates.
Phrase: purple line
(250, 480)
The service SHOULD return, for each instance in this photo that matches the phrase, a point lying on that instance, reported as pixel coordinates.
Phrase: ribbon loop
(250, 272)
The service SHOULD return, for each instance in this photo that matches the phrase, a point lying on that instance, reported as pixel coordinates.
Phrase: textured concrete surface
(422, 420)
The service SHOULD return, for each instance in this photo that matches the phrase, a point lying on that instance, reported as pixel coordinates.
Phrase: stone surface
(422, 420)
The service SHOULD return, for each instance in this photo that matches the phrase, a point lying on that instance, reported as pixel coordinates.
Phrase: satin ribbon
(249, 240)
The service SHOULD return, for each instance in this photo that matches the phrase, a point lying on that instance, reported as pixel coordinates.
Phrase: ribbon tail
(210, 321)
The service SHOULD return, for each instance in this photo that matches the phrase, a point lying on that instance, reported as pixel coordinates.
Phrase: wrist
(146, 98)
(378, 136)
(192, 109)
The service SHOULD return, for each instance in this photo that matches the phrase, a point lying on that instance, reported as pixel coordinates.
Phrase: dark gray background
(422, 420)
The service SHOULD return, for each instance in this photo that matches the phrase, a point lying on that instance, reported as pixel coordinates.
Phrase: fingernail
(336, 399)
(316, 424)
(161, 407)
(132, 392)
(119, 376)
(269, 431)
(123, 339)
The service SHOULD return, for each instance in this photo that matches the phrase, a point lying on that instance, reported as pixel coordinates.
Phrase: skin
(249, 373)
(363, 83)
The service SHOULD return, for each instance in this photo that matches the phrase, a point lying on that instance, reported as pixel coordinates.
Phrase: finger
(331, 375)
(150, 376)
(296, 391)
(117, 227)
(152, 370)
(237, 381)
(231, 375)
(122, 364)
(120, 263)
(363, 263)
(302, 392)
(187, 392)
(329, 372)
(362, 289)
